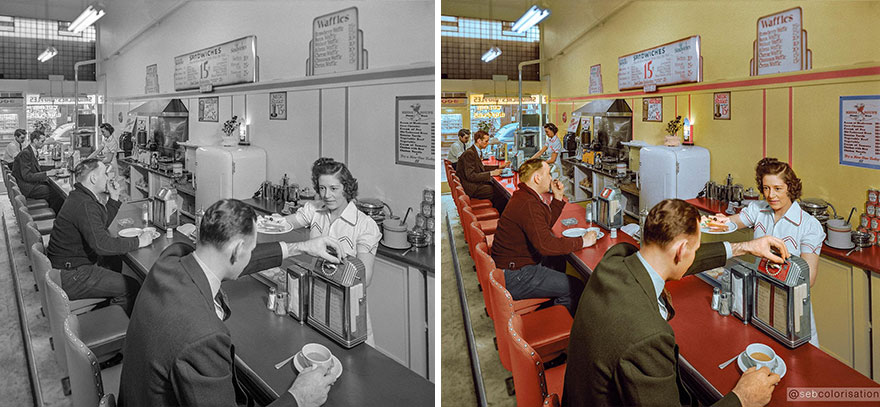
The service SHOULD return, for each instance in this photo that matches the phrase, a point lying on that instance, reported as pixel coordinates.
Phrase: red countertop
(706, 339)
(868, 259)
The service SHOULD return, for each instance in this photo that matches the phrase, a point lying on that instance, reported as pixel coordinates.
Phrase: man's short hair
(84, 168)
(480, 134)
(225, 220)
(529, 168)
(36, 134)
(669, 219)
(464, 132)
(20, 133)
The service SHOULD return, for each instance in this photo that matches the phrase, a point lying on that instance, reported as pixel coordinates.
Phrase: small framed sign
(414, 133)
(652, 109)
(278, 106)
(722, 106)
(208, 109)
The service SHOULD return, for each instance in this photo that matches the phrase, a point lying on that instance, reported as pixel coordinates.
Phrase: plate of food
(714, 225)
(273, 224)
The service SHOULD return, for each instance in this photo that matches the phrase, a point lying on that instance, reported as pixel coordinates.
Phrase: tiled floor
(15, 390)
(457, 384)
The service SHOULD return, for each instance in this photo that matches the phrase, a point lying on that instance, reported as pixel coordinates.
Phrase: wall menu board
(225, 64)
(860, 131)
(668, 64)
(781, 44)
(596, 79)
(151, 81)
(414, 131)
(451, 123)
(337, 43)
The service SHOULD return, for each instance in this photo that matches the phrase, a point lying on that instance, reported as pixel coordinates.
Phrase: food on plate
(714, 223)
(272, 223)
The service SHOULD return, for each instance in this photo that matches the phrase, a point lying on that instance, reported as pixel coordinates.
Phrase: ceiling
(506, 10)
(62, 10)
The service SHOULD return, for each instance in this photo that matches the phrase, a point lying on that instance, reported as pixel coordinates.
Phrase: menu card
(596, 79)
(781, 44)
(336, 44)
(860, 131)
(415, 131)
(668, 64)
(225, 64)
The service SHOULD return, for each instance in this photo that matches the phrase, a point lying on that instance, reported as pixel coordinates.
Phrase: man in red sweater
(525, 246)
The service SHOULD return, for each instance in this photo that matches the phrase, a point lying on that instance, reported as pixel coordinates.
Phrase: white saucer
(578, 232)
(850, 246)
(130, 232)
(407, 246)
(742, 361)
(336, 370)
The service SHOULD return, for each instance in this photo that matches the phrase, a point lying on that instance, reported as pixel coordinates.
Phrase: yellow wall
(838, 35)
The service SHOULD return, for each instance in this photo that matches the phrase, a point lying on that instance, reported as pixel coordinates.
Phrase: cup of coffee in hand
(315, 354)
(761, 355)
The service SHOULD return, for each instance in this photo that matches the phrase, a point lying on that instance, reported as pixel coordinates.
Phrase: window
(23, 39)
(464, 40)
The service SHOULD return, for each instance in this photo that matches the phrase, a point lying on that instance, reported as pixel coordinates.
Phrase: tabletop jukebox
(780, 295)
(337, 303)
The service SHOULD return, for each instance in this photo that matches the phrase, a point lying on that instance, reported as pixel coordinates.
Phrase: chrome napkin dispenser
(781, 300)
(165, 210)
(740, 288)
(609, 208)
(338, 300)
(298, 287)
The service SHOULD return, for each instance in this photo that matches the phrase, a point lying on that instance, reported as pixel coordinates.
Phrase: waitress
(336, 216)
(109, 147)
(554, 144)
(780, 215)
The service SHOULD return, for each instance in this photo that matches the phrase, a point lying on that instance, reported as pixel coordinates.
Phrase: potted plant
(229, 129)
(672, 129)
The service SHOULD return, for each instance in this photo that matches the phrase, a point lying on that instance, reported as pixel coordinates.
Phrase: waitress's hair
(107, 126)
(669, 219)
(772, 166)
(329, 166)
(552, 127)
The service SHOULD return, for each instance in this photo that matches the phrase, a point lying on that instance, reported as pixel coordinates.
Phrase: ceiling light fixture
(491, 54)
(48, 54)
(532, 17)
(86, 19)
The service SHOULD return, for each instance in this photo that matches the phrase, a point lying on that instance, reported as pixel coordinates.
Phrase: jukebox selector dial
(328, 268)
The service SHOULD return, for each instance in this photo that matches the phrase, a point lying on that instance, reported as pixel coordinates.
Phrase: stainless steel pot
(373, 208)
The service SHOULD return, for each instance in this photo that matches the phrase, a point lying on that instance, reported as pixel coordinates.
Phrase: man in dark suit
(33, 182)
(177, 350)
(476, 177)
(622, 351)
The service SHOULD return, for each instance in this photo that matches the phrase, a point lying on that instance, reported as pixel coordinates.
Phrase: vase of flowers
(672, 129)
(229, 130)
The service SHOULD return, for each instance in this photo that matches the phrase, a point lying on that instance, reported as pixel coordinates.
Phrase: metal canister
(427, 209)
(873, 195)
(871, 208)
(428, 195)
(865, 221)
(875, 224)
(873, 235)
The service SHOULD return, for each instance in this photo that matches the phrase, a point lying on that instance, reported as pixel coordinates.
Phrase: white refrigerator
(228, 172)
(671, 172)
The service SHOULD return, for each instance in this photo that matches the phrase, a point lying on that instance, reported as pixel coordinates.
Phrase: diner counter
(419, 257)
(263, 339)
(868, 258)
(706, 339)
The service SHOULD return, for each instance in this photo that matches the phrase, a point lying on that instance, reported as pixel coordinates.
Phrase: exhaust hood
(162, 108)
(605, 107)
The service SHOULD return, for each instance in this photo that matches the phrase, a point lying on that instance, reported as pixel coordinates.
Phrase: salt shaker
(724, 305)
(169, 232)
(281, 304)
(716, 298)
(614, 233)
(270, 304)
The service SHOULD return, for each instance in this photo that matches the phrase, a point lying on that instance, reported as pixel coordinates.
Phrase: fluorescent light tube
(86, 19)
(82, 16)
(491, 54)
(531, 17)
(47, 54)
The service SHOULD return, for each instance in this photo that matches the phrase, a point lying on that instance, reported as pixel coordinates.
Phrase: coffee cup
(149, 229)
(761, 355)
(315, 354)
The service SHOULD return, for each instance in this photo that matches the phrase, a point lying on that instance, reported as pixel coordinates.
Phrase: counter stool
(42, 265)
(552, 400)
(42, 226)
(487, 226)
(480, 203)
(523, 306)
(31, 203)
(533, 383)
(483, 212)
(88, 382)
(37, 214)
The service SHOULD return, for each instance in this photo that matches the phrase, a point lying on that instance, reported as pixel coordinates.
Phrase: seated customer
(81, 246)
(457, 148)
(525, 246)
(622, 350)
(14, 147)
(178, 351)
(476, 177)
(33, 182)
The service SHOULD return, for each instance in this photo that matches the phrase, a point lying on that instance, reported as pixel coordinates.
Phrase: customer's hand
(504, 164)
(589, 238)
(312, 385)
(145, 239)
(324, 247)
(755, 387)
(496, 172)
(770, 247)
(113, 189)
(558, 189)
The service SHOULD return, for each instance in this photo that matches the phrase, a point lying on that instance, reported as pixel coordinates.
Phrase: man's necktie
(222, 301)
(667, 300)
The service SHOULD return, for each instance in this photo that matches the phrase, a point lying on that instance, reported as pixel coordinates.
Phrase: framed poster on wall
(860, 131)
(278, 106)
(652, 109)
(414, 131)
(208, 109)
(721, 107)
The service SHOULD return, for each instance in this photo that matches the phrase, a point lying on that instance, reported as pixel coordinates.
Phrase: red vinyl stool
(533, 384)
